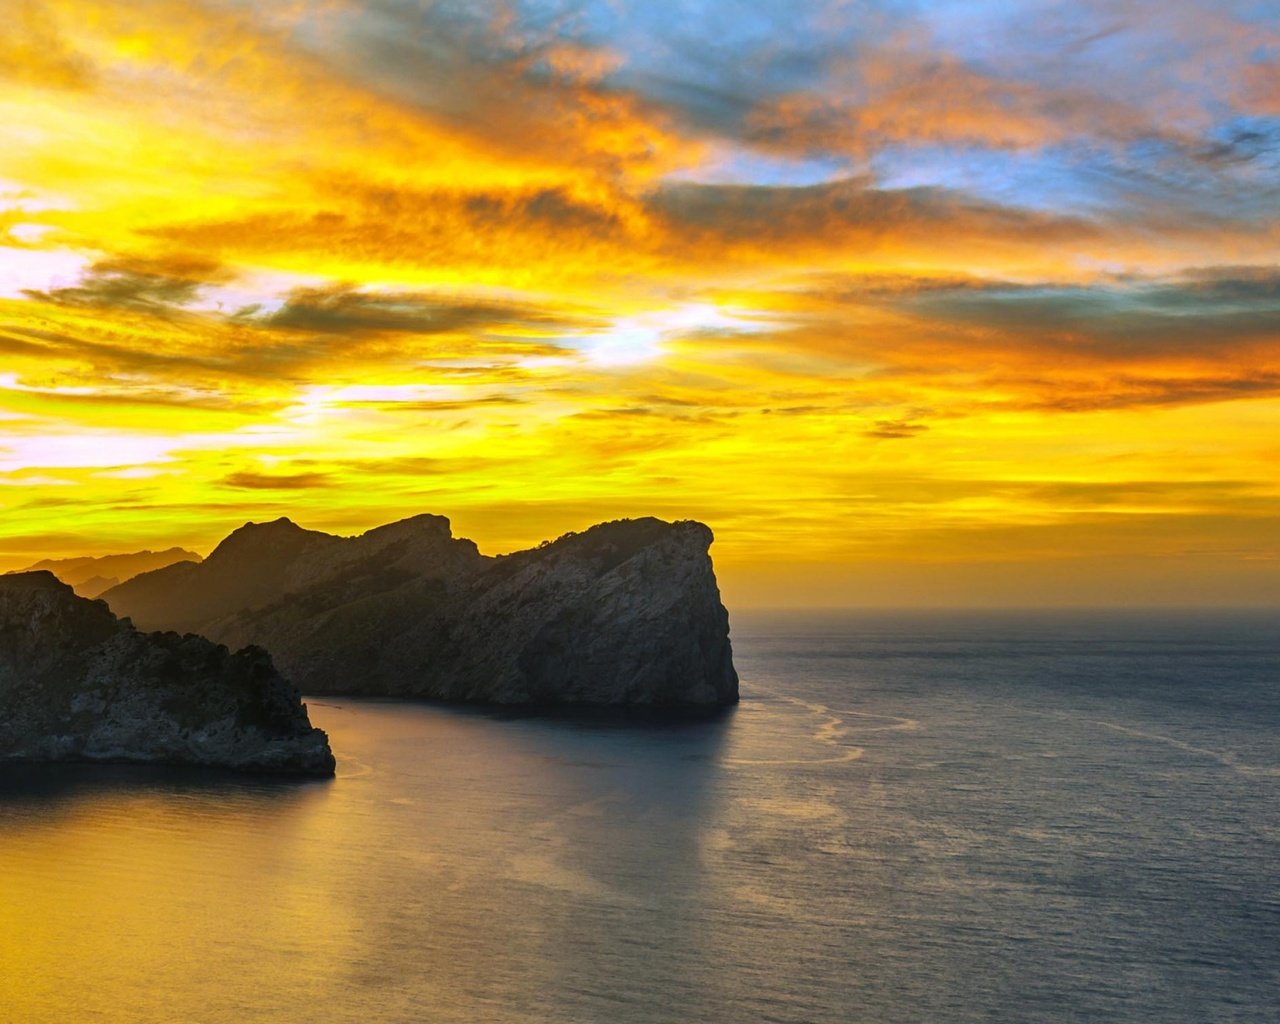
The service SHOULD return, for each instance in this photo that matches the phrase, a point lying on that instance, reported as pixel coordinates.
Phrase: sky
(964, 302)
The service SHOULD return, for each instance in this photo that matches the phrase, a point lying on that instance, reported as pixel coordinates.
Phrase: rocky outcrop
(626, 613)
(245, 571)
(76, 683)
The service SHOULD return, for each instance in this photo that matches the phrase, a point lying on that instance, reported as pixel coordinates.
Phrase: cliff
(626, 613)
(76, 683)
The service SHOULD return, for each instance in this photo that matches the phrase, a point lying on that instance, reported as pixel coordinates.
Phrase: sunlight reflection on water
(904, 820)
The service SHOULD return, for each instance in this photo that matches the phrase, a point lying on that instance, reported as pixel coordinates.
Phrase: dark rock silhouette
(244, 571)
(625, 613)
(91, 576)
(76, 683)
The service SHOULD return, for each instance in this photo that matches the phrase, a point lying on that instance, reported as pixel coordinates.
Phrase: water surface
(932, 818)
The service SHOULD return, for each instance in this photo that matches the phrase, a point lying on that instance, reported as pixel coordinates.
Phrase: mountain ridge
(92, 575)
(626, 612)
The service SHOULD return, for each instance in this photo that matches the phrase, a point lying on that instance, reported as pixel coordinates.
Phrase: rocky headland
(625, 613)
(78, 684)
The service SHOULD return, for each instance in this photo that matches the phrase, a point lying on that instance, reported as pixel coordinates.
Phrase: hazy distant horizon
(885, 585)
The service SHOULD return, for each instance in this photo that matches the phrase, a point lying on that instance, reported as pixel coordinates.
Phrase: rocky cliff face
(76, 683)
(626, 613)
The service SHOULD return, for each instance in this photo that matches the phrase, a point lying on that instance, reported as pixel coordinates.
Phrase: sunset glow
(913, 303)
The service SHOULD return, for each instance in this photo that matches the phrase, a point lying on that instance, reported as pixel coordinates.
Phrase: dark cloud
(19, 347)
(825, 77)
(1128, 391)
(1207, 335)
(719, 108)
(410, 465)
(712, 67)
(888, 96)
(461, 405)
(313, 327)
(107, 392)
(278, 481)
(893, 429)
(598, 84)
(156, 286)
(794, 410)
(1225, 180)
(1242, 144)
(1207, 313)
(524, 79)
(890, 287)
(486, 228)
(341, 309)
(1232, 493)
(552, 208)
(614, 411)
(109, 355)
(838, 212)
(1234, 283)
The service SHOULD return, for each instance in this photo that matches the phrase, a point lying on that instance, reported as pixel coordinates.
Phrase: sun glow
(924, 326)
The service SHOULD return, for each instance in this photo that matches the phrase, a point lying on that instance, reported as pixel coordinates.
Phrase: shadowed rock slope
(626, 613)
(76, 683)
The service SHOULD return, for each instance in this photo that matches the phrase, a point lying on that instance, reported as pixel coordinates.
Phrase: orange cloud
(897, 94)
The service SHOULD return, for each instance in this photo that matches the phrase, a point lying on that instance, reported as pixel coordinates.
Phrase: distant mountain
(94, 586)
(625, 613)
(90, 577)
(76, 683)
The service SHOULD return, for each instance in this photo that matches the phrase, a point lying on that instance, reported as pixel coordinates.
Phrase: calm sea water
(923, 818)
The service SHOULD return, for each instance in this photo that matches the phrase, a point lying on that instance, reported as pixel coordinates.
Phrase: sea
(937, 817)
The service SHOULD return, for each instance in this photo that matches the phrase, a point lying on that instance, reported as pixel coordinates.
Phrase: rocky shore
(76, 683)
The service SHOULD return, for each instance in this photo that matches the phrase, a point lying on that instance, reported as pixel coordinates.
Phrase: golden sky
(923, 303)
